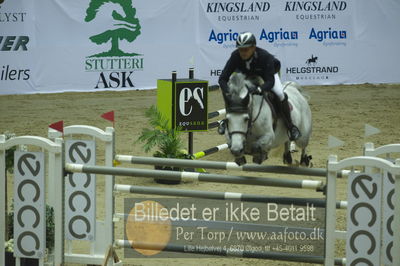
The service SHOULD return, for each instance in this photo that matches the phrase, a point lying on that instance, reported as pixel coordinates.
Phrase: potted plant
(166, 139)
(50, 227)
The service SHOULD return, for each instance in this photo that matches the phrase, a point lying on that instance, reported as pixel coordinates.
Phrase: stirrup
(221, 127)
(294, 133)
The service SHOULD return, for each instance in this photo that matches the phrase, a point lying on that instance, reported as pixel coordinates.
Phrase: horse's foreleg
(287, 154)
(260, 149)
(260, 157)
(240, 160)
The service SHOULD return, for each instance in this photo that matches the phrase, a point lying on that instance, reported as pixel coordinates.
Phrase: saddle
(274, 104)
(269, 97)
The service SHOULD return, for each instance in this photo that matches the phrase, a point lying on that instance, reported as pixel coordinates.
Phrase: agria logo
(115, 64)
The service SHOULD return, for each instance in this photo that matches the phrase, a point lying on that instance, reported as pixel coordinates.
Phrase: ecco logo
(80, 197)
(28, 204)
(364, 220)
(187, 99)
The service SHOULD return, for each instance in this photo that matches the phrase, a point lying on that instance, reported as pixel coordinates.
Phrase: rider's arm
(226, 73)
(272, 65)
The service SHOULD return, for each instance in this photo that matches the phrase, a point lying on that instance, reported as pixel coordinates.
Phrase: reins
(259, 111)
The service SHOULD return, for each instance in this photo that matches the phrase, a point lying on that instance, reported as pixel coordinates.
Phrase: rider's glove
(253, 88)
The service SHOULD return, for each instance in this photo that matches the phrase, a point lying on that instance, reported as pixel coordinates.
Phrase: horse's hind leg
(287, 155)
(305, 159)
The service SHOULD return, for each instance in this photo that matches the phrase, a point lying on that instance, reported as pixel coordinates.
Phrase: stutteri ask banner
(89, 45)
(94, 45)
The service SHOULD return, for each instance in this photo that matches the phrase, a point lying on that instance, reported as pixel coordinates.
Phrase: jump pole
(193, 176)
(209, 151)
(216, 113)
(322, 172)
(214, 124)
(224, 196)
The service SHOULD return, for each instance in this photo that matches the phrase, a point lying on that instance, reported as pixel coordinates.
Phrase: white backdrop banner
(88, 45)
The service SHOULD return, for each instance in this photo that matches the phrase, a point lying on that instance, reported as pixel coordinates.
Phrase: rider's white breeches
(278, 88)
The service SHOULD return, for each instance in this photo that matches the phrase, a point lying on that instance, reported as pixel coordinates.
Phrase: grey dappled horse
(252, 127)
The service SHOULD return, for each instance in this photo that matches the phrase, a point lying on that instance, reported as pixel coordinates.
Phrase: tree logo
(128, 27)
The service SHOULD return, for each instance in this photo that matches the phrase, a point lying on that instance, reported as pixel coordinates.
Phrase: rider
(252, 60)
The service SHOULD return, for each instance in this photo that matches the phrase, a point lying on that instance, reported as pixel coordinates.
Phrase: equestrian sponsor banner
(88, 45)
(311, 31)
(17, 44)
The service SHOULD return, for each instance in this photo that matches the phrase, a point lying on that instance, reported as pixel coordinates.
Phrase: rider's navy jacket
(262, 64)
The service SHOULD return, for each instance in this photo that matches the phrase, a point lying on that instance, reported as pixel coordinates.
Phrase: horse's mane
(236, 83)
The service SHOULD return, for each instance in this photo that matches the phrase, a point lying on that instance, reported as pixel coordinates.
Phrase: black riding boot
(293, 131)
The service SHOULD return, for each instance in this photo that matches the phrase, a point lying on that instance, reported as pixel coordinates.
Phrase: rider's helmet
(245, 39)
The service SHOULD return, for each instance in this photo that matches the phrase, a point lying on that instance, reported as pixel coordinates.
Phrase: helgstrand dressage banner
(57, 46)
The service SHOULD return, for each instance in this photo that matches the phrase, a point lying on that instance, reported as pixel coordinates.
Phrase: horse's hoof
(240, 160)
(305, 160)
(258, 159)
(287, 158)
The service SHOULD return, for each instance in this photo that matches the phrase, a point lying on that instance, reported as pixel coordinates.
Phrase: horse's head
(237, 104)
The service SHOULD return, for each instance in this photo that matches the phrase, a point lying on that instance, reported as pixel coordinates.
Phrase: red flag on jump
(108, 116)
(59, 126)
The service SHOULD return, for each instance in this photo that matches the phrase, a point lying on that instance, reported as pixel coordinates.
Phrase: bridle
(244, 110)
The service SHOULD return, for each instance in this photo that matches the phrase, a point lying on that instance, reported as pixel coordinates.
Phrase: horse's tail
(299, 88)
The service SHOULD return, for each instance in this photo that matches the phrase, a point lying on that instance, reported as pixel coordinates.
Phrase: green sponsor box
(184, 103)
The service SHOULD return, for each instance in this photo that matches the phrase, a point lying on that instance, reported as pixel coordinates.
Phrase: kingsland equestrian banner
(89, 45)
